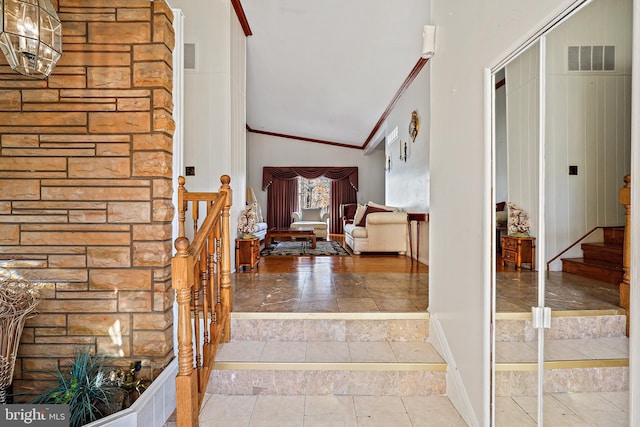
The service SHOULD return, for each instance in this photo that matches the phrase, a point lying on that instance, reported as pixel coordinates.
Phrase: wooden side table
(519, 251)
(247, 253)
(418, 218)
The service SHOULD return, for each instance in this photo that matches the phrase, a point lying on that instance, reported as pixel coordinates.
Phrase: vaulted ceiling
(328, 69)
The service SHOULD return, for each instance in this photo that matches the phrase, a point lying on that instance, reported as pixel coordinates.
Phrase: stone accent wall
(85, 189)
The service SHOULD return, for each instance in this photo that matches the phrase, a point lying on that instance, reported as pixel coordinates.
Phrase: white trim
(417, 315)
(456, 391)
(178, 137)
(634, 335)
(154, 406)
(556, 20)
(489, 253)
(541, 256)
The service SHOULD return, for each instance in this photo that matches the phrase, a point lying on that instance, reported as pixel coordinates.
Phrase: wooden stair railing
(201, 278)
(625, 286)
(572, 245)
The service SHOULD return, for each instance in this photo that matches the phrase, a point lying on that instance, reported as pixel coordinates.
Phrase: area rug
(323, 248)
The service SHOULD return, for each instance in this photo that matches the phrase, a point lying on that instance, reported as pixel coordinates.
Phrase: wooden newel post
(625, 286)
(225, 276)
(187, 404)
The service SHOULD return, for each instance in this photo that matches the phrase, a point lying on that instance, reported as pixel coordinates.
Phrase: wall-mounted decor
(403, 155)
(414, 125)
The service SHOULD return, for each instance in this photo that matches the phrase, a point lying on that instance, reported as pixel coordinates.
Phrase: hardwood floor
(392, 283)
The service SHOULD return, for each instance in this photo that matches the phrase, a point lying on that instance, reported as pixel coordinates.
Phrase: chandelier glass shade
(30, 36)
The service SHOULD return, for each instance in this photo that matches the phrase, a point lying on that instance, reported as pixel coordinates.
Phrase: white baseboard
(456, 391)
(152, 408)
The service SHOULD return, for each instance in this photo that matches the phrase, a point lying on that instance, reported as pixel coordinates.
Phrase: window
(314, 193)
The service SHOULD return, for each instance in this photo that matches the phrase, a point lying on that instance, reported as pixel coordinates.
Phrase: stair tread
(344, 352)
(603, 249)
(565, 350)
(596, 263)
(611, 245)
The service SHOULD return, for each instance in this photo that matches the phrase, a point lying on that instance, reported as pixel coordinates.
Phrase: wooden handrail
(201, 277)
(575, 243)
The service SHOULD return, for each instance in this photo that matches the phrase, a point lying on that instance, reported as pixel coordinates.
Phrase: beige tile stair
(584, 352)
(329, 354)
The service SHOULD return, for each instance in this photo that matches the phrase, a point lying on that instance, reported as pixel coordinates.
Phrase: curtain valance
(287, 173)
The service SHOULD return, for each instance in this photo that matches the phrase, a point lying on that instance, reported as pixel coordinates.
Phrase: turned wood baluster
(186, 381)
(205, 278)
(212, 274)
(182, 206)
(625, 286)
(225, 262)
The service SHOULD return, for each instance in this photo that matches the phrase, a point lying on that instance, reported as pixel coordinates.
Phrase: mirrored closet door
(562, 110)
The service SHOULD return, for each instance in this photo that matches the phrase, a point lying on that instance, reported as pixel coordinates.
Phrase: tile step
(309, 327)
(372, 379)
(520, 379)
(587, 324)
(321, 368)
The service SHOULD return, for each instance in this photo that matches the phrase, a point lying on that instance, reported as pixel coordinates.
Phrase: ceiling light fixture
(30, 36)
(428, 41)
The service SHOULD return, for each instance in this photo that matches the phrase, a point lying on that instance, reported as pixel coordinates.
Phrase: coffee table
(290, 234)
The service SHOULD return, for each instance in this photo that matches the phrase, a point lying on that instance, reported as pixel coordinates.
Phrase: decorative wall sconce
(403, 155)
(414, 125)
(30, 36)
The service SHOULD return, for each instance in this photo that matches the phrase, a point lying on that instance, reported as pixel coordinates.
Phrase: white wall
(407, 183)
(264, 150)
(588, 125)
(523, 132)
(207, 92)
(471, 36)
(238, 118)
(501, 169)
(214, 99)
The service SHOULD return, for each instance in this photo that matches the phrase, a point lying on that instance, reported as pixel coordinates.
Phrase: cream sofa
(311, 218)
(378, 232)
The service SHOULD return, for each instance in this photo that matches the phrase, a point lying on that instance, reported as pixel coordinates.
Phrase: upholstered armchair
(312, 218)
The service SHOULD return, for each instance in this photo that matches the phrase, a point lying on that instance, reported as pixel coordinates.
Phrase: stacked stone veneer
(85, 188)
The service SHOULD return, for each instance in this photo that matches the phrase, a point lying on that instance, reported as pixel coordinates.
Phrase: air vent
(591, 58)
(189, 56)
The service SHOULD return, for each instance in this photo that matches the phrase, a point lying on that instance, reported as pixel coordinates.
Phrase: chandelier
(30, 36)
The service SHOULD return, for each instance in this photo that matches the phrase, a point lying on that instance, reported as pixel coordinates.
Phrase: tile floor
(337, 292)
(561, 409)
(317, 291)
(607, 409)
(311, 291)
(328, 411)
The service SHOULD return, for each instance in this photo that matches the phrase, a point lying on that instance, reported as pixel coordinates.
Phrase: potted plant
(87, 390)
